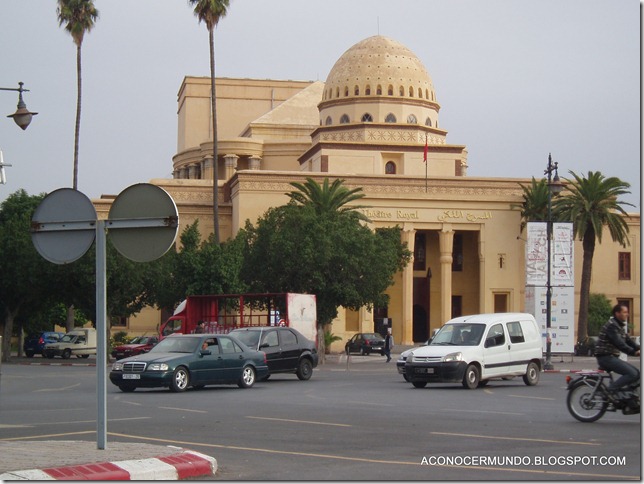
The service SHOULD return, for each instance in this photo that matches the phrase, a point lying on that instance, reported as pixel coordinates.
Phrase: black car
(287, 350)
(191, 360)
(365, 344)
(35, 343)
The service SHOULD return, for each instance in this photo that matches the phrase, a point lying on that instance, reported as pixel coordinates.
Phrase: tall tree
(210, 12)
(78, 17)
(328, 199)
(535, 202)
(591, 203)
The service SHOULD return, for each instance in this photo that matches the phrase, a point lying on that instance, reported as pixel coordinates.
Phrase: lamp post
(554, 188)
(22, 116)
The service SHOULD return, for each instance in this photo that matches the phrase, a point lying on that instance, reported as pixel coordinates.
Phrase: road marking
(533, 398)
(481, 411)
(57, 389)
(300, 421)
(372, 403)
(374, 461)
(66, 434)
(515, 438)
(184, 409)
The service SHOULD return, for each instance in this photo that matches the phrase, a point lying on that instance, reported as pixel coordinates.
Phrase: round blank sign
(59, 231)
(140, 202)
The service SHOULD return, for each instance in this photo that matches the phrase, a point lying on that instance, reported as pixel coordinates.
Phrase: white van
(80, 342)
(475, 349)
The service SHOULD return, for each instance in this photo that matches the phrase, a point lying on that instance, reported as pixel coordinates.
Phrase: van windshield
(459, 334)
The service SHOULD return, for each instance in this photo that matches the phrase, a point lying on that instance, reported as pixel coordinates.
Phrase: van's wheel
(83, 356)
(472, 377)
(180, 380)
(532, 374)
(304, 369)
(127, 388)
(247, 378)
(419, 384)
(67, 354)
(482, 383)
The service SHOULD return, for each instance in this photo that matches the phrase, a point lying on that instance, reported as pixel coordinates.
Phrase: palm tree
(325, 199)
(535, 202)
(591, 204)
(79, 17)
(210, 12)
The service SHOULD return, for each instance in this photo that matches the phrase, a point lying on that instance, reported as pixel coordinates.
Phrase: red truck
(221, 313)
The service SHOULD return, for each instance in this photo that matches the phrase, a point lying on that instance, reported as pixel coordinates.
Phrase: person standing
(613, 339)
(201, 327)
(389, 344)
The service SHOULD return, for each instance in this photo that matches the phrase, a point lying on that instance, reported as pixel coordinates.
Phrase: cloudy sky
(516, 80)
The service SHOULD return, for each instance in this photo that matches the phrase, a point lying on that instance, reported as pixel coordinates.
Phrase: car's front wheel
(247, 378)
(127, 388)
(304, 369)
(471, 377)
(67, 354)
(419, 384)
(180, 380)
(532, 374)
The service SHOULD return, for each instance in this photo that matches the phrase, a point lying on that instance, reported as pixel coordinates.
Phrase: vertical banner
(562, 324)
(562, 255)
(536, 254)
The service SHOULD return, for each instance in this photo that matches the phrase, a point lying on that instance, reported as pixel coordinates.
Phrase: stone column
(483, 304)
(446, 239)
(254, 163)
(194, 171)
(231, 165)
(206, 171)
(406, 334)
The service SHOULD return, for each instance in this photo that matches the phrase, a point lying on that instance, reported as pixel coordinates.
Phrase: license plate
(129, 376)
(377, 348)
(424, 370)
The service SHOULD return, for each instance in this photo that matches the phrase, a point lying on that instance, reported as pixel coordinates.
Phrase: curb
(183, 465)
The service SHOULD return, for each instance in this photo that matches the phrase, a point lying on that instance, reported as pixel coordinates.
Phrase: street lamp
(554, 188)
(22, 116)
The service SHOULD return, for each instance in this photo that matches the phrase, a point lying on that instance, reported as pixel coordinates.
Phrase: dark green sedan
(182, 361)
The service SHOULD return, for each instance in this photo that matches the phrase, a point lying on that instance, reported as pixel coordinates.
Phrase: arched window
(401, 91)
(390, 118)
(420, 93)
(367, 118)
(367, 90)
(411, 91)
(428, 121)
(346, 91)
(337, 92)
(356, 90)
(426, 93)
(390, 168)
(344, 119)
(411, 119)
(390, 90)
(328, 121)
(379, 90)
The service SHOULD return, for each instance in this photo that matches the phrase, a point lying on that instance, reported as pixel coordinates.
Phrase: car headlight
(117, 366)
(158, 367)
(453, 357)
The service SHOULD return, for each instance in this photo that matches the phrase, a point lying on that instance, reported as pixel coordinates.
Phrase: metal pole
(548, 364)
(101, 345)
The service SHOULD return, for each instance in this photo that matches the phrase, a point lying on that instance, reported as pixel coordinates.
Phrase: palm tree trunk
(78, 114)
(584, 291)
(215, 163)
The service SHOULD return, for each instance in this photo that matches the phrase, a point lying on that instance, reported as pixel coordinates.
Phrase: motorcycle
(589, 399)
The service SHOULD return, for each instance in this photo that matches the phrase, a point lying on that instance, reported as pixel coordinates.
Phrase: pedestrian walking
(389, 344)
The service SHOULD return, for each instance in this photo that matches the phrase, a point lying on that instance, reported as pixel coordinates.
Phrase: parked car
(192, 360)
(80, 342)
(365, 344)
(475, 349)
(287, 350)
(586, 347)
(140, 344)
(35, 343)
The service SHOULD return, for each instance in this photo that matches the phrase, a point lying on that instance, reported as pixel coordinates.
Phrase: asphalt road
(363, 422)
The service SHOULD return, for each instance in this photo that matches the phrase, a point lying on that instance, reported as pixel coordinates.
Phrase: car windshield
(372, 336)
(459, 334)
(249, 338)
(68, 338)
(136, 340)
(176, 345)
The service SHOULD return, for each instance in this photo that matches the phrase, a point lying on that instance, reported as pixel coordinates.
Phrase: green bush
(599, 312)
(120, 338)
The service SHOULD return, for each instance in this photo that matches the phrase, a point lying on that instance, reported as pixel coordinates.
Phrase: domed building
(375, 124)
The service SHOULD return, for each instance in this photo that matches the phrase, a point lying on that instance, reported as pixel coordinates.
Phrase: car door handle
(241, 357)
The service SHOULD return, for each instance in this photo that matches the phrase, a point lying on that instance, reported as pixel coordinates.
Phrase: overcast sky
(516, 80)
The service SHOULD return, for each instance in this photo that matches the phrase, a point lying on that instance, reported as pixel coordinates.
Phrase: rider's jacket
(612, 339)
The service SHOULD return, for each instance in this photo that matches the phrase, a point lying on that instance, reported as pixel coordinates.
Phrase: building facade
(375, 124)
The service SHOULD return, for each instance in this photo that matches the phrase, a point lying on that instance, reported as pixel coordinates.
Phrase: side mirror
(489, 341)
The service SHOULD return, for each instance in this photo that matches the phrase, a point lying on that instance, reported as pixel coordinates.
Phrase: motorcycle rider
(613, 339)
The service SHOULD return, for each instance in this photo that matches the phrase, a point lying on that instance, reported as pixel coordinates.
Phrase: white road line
(311, 422)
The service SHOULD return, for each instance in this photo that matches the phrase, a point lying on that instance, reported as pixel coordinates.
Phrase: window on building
(337, 92)
(328, 121)
(624, 259)
(401, 91)
(390, 168)
(367, 118)
(420, 93)
(118, 321)
(411, 91)
(390, 90)
(428, 122)
(501, 302)
(420, 252)
(457, 306)
(390, 118)
(346, 91)
(411, 119)
(367, 90)
(356, 90)
(344, 119)
(379, 90)
(457, 253)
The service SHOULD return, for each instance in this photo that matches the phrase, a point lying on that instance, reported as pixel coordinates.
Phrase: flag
(425, 152)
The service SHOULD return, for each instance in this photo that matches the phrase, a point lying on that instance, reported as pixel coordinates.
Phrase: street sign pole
(101, 330)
